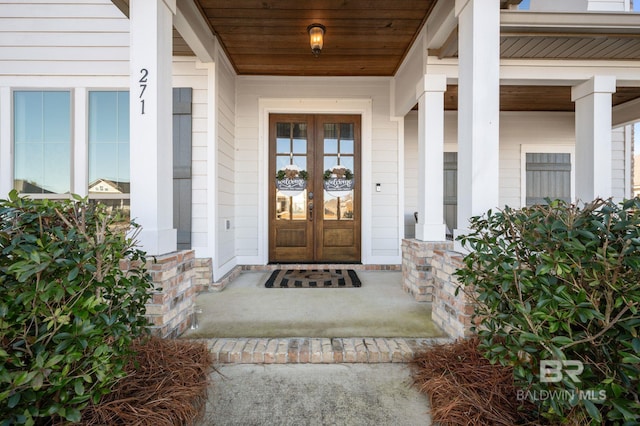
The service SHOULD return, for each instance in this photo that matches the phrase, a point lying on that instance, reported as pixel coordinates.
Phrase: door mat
(303, 278)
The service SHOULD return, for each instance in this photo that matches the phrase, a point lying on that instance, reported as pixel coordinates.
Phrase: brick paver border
(308, 350)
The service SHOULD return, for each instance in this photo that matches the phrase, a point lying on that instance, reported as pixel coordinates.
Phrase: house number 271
(143, 86)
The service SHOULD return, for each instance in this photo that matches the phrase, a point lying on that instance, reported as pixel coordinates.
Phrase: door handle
(310, 211)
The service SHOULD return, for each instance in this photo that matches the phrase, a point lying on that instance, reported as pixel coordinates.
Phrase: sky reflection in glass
(108, 141)
(42, 138)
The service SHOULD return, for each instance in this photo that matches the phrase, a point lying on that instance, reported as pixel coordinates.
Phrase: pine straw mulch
(466, 389)
(166, 385)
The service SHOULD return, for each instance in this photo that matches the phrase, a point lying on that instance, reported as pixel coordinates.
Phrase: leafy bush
(562, 283)
(68, 314)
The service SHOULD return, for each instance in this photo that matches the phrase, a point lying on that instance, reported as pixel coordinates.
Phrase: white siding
(384, 235)
(185, 74)
(64, 38)
(226, 116)
(618, 161)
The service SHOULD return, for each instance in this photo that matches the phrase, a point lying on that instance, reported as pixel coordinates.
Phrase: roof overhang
(558, 35)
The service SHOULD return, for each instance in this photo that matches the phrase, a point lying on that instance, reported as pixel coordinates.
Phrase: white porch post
(151, 123)
(430, 94)
(593, 137)
(478, 109)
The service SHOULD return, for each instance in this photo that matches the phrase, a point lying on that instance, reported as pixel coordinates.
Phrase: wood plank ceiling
(539, 98)
(514, 45)
(363, 38)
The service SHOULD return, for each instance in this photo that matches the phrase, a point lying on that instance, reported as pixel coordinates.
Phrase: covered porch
(460, 63)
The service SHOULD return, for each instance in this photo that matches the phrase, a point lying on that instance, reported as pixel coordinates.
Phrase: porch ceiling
(269, 37)
(539, 98)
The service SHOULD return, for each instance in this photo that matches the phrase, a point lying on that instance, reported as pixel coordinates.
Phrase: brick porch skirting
(303, 350)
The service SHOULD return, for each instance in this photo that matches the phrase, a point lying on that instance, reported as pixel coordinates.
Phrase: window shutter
(182, 166)
(451, 191)
(548, 176)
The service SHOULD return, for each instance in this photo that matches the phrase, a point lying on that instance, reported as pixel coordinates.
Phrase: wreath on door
(291, 180)
(338, 180)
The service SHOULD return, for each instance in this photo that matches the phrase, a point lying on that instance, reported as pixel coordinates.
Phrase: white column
(151, 123)
(593, 137)
(478, 109)
(430, 94)
(6, 156)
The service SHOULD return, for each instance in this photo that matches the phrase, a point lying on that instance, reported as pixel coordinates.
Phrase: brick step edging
(301, 350)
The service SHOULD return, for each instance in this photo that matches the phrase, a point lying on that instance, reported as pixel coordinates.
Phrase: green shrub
(562, 283)
(68, 314)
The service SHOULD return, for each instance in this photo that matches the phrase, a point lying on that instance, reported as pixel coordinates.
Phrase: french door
(314, 188)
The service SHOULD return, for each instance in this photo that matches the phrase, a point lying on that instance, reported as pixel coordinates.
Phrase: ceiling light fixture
(316, 38)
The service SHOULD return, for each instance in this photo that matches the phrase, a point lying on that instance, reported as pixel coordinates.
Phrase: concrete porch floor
(380, 308)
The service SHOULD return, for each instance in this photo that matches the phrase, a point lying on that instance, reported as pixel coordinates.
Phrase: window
(109, 148)
(42, 142)
(547, 172)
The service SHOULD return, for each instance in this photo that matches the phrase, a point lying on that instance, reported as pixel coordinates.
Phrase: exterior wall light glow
(316, 38)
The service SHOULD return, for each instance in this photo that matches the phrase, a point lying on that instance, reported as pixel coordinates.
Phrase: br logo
(552, 371)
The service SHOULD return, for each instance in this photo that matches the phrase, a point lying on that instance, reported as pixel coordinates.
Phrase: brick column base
(428, 274)
(170, 310)
(417, 273)
(203, 274)
(450, 312)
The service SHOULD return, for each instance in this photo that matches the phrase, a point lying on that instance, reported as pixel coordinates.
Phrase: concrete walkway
(315, 356)
(315, 394)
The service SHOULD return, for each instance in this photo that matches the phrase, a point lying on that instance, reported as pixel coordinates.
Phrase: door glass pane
(339, 150)
(331, 146)
(300, 161)
(329, 162)
(282, 161)
(346, 146)
(300, 131)
(283, 145)
(346, 207)
(299, 206)
(347, 162)
(291, 158)
(283, 130)
(300, 146)
(283, 207)
(346, 138)
(330, 207)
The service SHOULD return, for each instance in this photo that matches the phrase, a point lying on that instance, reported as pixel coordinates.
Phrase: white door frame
(268, 106)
